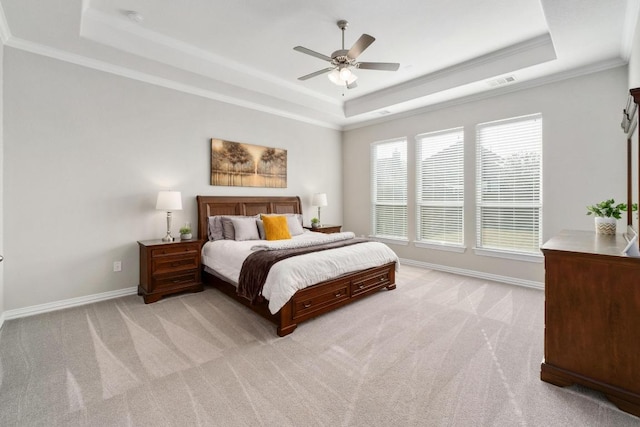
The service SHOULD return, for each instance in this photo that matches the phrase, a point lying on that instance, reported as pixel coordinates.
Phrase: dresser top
(586, 242)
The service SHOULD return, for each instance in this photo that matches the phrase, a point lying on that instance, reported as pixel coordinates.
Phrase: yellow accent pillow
(275, 227)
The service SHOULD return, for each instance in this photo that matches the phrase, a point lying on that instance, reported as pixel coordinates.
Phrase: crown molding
(95, 64)
(529, 84)
(521, 55)
(133, 38)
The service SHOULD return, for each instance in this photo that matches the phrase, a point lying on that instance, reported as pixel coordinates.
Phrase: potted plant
(315, 223)
(607, 213)
(185, 232)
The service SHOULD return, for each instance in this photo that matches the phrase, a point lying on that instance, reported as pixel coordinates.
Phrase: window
(389, 189)
(509, 185)
(440, 187)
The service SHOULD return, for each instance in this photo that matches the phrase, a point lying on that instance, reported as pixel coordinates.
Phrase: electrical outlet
(117, 265)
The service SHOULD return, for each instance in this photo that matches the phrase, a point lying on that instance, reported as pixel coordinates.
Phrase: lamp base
(168, 238)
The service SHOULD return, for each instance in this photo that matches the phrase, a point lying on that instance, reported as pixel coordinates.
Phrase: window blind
(509, 184)
(440, 187)
(389, 189)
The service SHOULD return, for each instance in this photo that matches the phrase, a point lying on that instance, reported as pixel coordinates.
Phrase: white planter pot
(186, 236)
(605, 225)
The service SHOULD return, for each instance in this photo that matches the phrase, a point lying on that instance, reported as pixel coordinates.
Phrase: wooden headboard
(231, 205)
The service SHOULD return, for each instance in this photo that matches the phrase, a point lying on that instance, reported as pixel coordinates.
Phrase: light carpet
(440, 350)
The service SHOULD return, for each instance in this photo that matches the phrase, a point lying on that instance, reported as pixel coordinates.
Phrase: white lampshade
(334, 76)
(169, 201)
(345, 73)
(319, 199)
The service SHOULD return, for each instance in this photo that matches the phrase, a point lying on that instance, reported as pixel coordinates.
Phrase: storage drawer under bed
(310, 300)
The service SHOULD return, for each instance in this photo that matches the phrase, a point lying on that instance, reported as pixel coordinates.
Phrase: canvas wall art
(236, 164)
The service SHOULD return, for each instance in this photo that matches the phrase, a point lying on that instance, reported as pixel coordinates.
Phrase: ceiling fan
(343, 61)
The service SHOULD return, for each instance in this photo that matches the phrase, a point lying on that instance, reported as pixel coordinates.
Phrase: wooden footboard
(317, 299)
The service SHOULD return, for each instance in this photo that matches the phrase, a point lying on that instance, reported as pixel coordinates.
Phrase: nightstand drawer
(311, 300)
(169, 264)
(174, 280)
(168, 250)
(375, 280)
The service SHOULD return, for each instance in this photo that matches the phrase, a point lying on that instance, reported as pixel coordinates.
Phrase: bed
(313, 300)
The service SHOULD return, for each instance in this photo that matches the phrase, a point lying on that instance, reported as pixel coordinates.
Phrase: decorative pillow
(276, 228)
(245, 228)
(294, 224)
(261, 233)
(215, 228)
(227, 229)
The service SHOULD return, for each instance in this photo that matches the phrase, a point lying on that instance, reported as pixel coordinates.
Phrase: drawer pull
(361, 286)
(338, 295)
(382, 279)
(307, 304)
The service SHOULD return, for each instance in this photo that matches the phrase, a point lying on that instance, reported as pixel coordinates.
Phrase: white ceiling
(241, 51)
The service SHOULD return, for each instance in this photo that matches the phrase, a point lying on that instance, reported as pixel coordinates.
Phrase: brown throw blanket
(257, 265)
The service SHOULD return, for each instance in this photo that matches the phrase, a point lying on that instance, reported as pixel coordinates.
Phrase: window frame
(456, 203)
(536, 206)
(374, 202)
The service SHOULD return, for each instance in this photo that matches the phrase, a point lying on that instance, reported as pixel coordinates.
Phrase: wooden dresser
(169, 267)
(592, 316)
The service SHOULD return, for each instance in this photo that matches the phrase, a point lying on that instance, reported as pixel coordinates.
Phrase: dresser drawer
(189, 248)
(169, 264)
(186, 278)
(376, 279)
(311, 300)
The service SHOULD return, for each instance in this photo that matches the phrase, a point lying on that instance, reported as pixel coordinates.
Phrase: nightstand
(168, 267)
(327, 229)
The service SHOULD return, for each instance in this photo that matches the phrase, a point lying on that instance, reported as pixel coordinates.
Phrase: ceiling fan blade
(360, 45)
(384, 66)
(352, 85)
(312, 53)
(317, 73)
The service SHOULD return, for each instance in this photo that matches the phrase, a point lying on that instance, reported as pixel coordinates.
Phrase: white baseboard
(74, 302)
(67, 303)
(473, 273)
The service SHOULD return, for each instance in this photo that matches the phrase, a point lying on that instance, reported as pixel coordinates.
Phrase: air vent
(501, 81)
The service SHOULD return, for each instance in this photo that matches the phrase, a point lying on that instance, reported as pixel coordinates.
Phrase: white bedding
(288, 276)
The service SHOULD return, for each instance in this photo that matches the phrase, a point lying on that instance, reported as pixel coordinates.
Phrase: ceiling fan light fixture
(334, 76)
(342, 61)
(345, 73)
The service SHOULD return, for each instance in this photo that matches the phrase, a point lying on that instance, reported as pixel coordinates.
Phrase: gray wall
(86, 153)
(634, 60)
(583, 162)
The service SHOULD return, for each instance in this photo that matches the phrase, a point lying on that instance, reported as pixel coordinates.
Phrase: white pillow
(294, 224)
(245, 228)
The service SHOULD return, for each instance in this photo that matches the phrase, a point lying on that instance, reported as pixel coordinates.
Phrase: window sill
(441, 247)
(518, 256)
(402, 242)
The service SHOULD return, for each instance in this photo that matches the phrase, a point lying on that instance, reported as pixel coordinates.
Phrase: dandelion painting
(244, 165)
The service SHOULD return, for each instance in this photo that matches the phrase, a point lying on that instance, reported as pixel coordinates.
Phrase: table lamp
(169, 201)
(319, 200)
